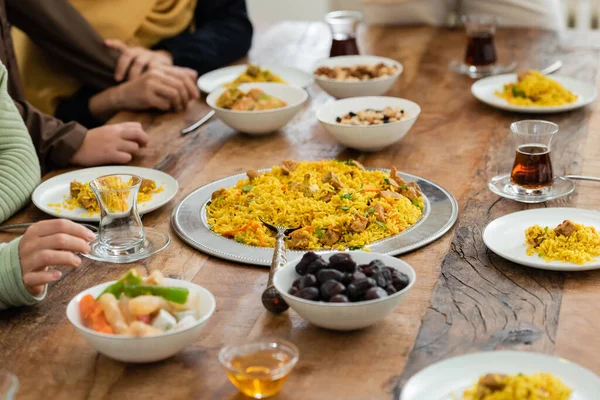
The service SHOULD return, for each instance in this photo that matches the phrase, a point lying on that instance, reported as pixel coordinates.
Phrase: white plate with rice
(448, 379)
(484, 90)
(505, 236)
(216, 79)
(51, 194)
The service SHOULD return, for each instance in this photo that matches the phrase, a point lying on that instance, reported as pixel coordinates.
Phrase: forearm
(223, 34)
(58, 28)
(13, 292)
(54, 141)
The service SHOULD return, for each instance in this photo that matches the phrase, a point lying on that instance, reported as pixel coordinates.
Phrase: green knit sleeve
(19, 166)
(19, 175)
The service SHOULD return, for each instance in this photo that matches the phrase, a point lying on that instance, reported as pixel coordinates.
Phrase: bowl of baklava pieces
(344, 290)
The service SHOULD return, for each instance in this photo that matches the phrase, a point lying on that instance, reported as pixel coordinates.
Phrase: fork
(271, 298)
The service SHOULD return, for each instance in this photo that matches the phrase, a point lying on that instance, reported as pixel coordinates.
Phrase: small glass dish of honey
(259, 369)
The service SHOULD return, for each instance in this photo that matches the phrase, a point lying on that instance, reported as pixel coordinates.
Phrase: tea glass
(8, 385)
(121, 231)
(532, 172)
(259, 369)
(343, 25)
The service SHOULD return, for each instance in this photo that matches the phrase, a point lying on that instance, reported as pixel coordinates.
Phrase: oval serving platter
(190, 223)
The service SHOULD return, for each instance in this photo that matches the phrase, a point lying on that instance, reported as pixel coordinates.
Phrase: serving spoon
(271, 299)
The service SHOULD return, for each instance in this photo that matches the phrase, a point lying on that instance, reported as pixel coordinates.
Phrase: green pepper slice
(131, 277)
(173, 294)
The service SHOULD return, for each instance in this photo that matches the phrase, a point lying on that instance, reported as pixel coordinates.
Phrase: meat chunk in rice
(566, 228)
(359, 223)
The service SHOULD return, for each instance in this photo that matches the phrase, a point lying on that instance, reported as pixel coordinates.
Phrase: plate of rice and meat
(532, 92)
(337, 205)
(503, 375)
(558, 239)
(69, 195)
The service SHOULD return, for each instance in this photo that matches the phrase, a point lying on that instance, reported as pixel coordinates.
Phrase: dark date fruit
(390, 289)
(357, 276)
(330, 289)
(308, 281)
(382, 277)
(375, 293)
(316, 265)
(309, 293)
(302, 266)
(327, 274)
(359, 288)
(374, 267)
(400, 280)
(339, 298)
(296, 283)
(342, 262)
(347, 279)
(293, 291)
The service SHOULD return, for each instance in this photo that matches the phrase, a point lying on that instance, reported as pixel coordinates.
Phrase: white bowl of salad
(141, 319)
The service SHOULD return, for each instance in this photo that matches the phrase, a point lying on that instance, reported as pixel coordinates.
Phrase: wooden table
(465, 298)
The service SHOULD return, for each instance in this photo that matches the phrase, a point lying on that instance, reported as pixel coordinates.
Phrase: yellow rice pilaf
(535, 89)
(82, 195)
(579, 247)
(322, 208)
(539, 386)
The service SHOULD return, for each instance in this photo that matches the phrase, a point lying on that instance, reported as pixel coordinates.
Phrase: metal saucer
(475, 72)
(155, 242)
(502, 186)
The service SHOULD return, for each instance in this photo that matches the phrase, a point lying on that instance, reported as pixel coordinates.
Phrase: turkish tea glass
(8, 385)
(480, 56)
(121, 232)
(532, 170)
(343, 25)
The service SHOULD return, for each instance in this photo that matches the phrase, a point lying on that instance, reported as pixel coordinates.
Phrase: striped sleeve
(19, 175)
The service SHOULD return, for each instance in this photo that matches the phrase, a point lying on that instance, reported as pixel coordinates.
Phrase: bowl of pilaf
(369, 123)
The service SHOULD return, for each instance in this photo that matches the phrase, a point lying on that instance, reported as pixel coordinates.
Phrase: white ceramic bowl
(370, 137)
(372, 87)
(264, 121)
(344, 316)
(146, 349)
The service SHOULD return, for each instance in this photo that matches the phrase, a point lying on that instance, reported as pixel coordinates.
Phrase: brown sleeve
(58, 28)
(55, 141)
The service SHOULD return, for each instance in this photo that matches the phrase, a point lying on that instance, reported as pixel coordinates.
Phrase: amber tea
(532, 168)
(481, 50)
(255, 374)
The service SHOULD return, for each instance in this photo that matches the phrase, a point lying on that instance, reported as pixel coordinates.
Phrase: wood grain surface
(464, 300)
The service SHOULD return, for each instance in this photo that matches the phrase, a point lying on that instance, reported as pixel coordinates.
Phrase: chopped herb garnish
(518, 92)
(319, 232)
(355, 247)
(345, 208)
(404, 187)
(370, 211)
(542, 254)
(546, 229)
(240, 240)
(249, 201)
(381, 224)
(416, 203)
(247, 188)
(346, 196)
(386, 180)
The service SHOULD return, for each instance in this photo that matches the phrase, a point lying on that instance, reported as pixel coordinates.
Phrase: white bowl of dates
(352, 76)
(344, 290)
(369, 123)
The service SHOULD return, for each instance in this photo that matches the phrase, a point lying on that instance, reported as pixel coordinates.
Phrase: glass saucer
(481, 72)
(502, 186)
(155, 241)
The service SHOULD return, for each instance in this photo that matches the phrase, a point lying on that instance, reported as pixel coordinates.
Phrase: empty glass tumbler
(121, 231)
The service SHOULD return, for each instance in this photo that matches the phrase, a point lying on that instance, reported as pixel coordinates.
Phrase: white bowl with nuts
(369, 123)
(352, 76)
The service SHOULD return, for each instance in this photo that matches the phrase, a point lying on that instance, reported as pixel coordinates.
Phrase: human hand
(110, 144)
(51, 243)
(136, 59)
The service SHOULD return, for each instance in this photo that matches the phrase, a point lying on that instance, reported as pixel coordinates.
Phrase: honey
(260, 374)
